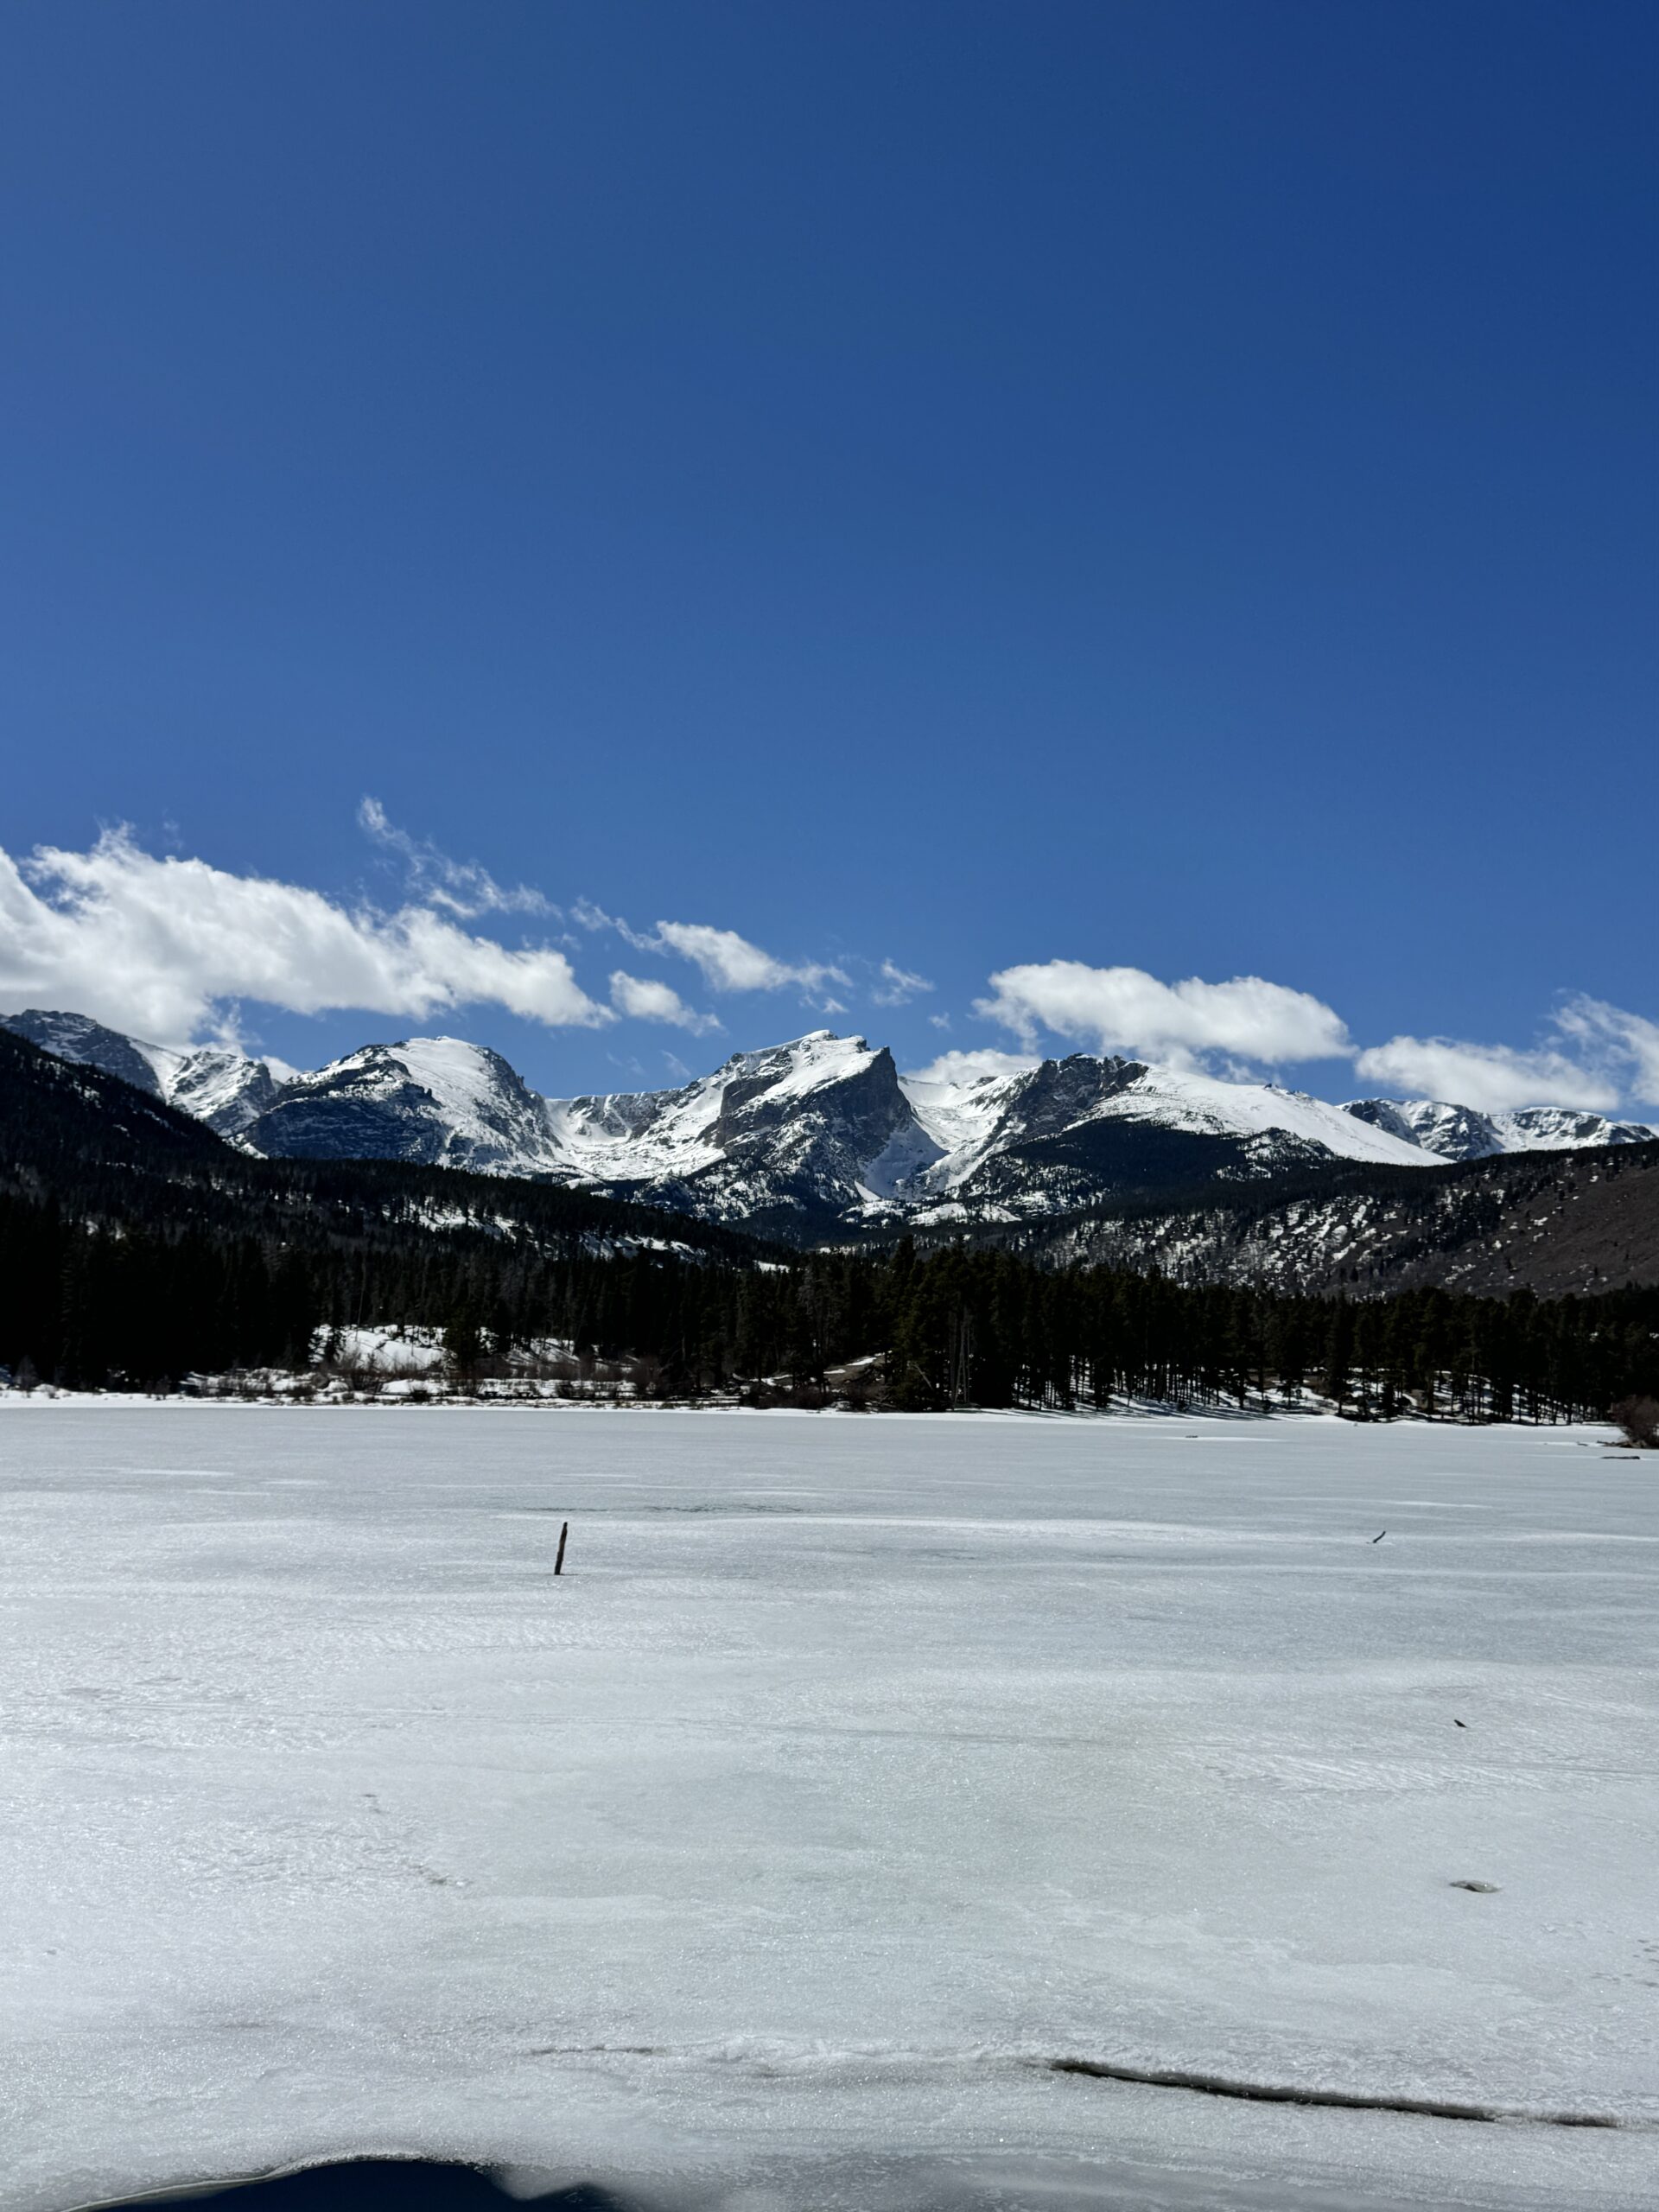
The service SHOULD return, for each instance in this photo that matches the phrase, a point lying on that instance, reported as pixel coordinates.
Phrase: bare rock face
(76, 1037)
(225, 1090)
(823, 1135)
(800, 1139)
(437, 1101)
(798, 1135)
(1454, 1132)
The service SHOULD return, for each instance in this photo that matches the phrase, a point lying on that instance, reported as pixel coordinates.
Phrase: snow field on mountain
(1177, 1099)
(463, 1079)
(822, 1128)
(855, 1768)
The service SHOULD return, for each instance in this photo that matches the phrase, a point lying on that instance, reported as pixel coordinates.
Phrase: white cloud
(1126, 1009)
(730, 962)
(647, 1000)
(460, 886)
(898, 986)
(157, 945)
(1599, 1053)
(1612, 1055)
(1489, 1077)
(1627, 1040)
(959, 1069)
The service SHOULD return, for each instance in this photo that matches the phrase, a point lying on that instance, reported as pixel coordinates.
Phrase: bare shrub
(1639, 1420)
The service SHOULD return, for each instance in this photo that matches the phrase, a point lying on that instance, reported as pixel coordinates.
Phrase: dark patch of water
(378, 2185)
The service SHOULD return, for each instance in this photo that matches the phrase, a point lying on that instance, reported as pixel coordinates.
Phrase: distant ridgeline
(137, 1247)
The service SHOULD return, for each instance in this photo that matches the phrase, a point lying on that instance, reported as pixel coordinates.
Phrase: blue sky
(1022, 491)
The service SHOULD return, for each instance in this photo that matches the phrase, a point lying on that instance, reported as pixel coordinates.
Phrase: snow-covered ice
(854, 1770)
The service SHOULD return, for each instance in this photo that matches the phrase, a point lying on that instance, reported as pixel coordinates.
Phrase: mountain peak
(818, 1134)
(223, 1088)
(1454, 1132)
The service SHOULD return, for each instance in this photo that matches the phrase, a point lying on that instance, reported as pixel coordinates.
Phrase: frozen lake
(855, 1770)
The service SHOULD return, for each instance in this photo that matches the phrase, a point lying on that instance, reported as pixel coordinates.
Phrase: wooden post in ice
(558, 1563)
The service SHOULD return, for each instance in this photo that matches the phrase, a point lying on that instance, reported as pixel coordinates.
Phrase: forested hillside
(1554, 1222)
(136, 1248)
(134, 1245)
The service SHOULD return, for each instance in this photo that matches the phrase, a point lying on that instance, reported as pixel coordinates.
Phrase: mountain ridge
(92, 1147)
(1556, 1223)
(819, 1135)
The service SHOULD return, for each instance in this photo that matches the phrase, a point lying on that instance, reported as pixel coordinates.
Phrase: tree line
(91, 1301)
(135, 1248)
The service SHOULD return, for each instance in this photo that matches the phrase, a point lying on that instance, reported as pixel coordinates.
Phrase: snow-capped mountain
(823, 1130)
(819, 1133)
(435, 1100)
(809, 1131)
(226, 1089)
(1460, 1133)
(1070, 1132)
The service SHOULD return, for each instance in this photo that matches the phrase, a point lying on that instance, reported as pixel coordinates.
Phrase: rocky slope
(1056, 1136)
(225, 1090)
(1551, 1222)
(819, 1136)
(434, 1100)
(1461, 1133)
(807, 1137)
(801, 1134)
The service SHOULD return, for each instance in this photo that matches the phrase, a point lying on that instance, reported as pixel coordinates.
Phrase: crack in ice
(1220, 2085)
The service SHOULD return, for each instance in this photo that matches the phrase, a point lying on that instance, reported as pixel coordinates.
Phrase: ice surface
(855, 1769)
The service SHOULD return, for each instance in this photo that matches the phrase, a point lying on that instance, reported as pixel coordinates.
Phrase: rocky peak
(77, 1037)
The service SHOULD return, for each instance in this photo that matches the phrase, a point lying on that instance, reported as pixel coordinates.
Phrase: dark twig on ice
(1379, 1536)
(558, 1563)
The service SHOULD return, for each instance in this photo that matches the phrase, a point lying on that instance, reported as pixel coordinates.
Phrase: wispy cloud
(726, 961)
(1594, 1056)
(897, 986)
(460, 886)
(594, 919)
(1629, 1041)
(729, 962)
